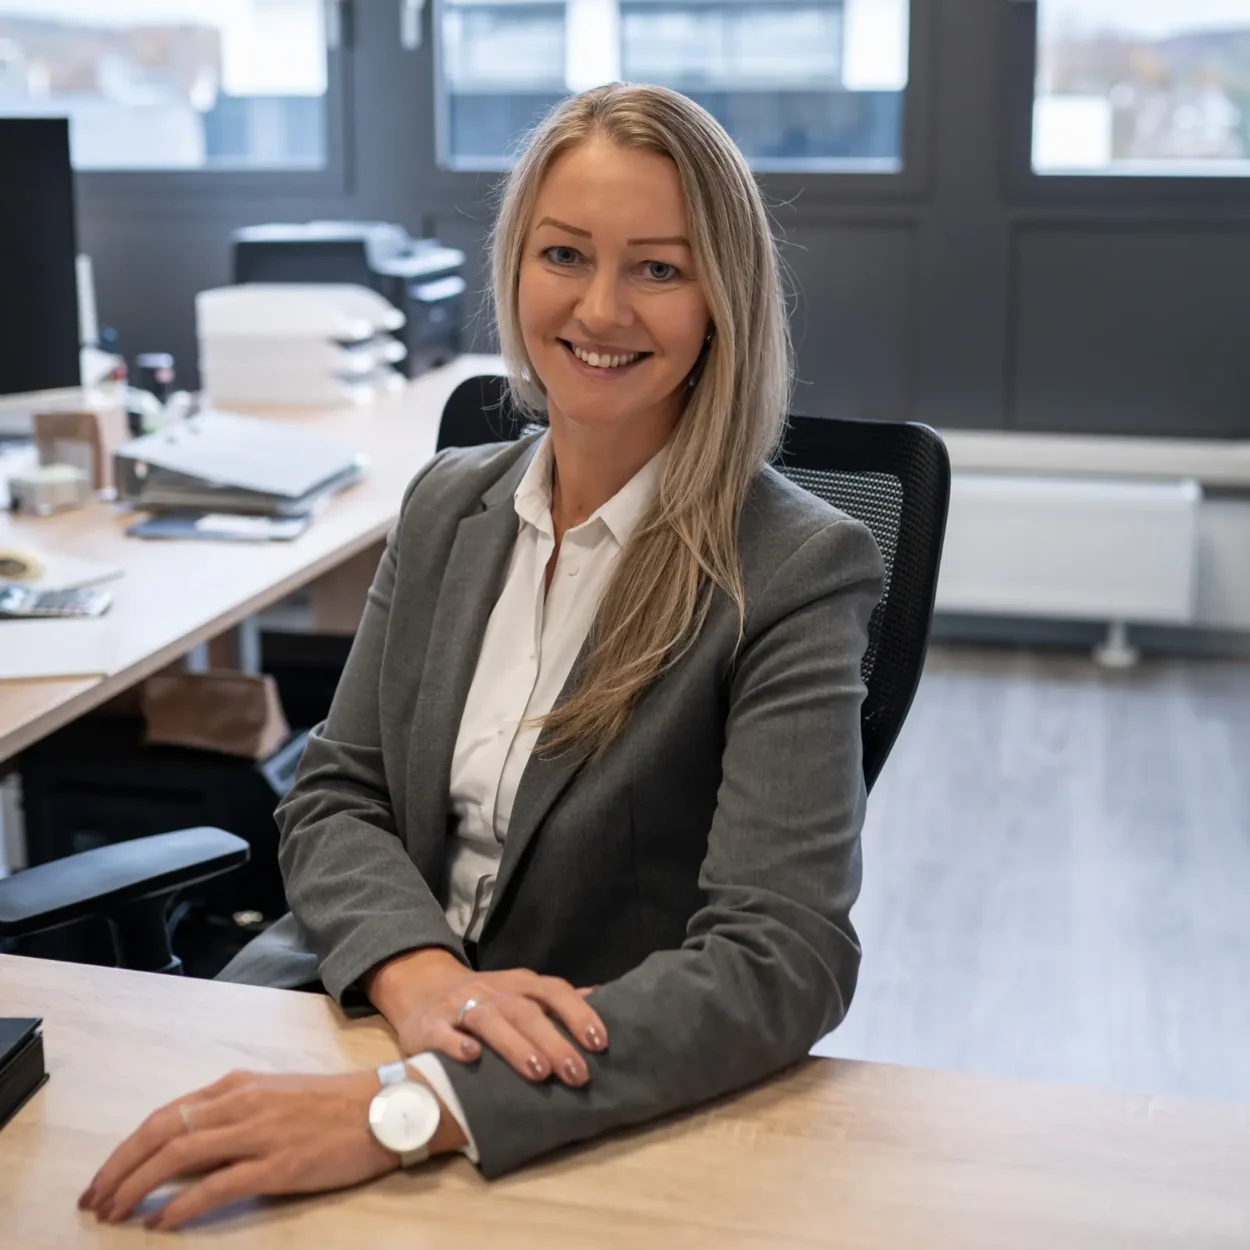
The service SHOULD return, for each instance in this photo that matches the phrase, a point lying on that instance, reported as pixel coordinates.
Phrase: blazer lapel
(470, 586)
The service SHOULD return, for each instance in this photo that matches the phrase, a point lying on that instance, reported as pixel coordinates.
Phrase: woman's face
(611, 309)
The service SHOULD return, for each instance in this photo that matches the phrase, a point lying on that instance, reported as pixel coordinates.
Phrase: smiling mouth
(598, 360)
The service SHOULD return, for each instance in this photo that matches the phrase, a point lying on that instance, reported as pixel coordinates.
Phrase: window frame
(1024, 186)
(911, 181)
(149, 190)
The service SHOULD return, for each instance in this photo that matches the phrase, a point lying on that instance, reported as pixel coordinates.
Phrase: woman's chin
(585, 411)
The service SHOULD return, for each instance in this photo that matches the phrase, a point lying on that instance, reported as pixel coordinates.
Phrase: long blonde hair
(661, 590)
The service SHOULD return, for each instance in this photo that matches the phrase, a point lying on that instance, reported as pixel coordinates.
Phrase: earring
(697, 372)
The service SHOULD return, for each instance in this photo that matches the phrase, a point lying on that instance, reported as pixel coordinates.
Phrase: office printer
(423, 279)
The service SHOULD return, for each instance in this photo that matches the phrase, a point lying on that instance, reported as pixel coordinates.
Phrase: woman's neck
(593, 464)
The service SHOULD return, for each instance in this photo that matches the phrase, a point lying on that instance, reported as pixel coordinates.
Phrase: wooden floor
(1057, 876)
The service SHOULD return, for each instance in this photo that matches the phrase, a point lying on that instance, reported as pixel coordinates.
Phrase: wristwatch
(404, 1114)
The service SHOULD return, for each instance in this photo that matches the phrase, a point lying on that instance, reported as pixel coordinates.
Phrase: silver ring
(469, 1004)
(185, 1112)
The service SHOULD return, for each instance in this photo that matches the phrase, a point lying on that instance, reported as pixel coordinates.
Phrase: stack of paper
(60, 647)
(297, 343)
(57, 648)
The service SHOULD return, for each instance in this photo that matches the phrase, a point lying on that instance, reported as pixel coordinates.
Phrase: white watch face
(404, 1117)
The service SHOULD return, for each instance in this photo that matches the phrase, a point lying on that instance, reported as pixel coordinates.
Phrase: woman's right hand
(422, 993)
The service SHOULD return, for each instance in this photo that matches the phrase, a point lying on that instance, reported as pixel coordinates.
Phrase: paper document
(57, 648)
(70, 572)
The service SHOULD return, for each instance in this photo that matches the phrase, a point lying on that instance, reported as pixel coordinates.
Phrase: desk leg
(247, 646)
(12, 828)
(237, 649)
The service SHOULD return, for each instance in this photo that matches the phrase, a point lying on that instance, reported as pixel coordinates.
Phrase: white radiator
(1071, 548)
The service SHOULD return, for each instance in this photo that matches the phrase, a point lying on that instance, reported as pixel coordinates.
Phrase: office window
(800, 84)
(1143, 87)
(172, 84)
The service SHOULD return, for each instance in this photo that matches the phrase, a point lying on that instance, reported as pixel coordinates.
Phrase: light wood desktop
(175, 595)
(833, 1154)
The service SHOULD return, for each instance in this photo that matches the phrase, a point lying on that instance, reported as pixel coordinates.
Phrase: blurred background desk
(835, 1153)
(176, 595)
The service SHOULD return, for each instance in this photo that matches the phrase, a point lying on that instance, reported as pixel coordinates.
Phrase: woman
(583, 821)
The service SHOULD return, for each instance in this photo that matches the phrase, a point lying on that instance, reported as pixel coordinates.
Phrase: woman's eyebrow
(672, 240)
(562, 225)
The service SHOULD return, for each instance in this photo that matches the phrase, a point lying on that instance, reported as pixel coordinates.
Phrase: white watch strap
(394, 1073)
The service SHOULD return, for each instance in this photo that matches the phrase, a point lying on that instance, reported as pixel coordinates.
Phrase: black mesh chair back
(892, 476)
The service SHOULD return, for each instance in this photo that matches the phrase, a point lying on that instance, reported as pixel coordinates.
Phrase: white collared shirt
(531, 641)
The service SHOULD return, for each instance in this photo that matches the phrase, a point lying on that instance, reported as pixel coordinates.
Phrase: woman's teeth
(604, 362)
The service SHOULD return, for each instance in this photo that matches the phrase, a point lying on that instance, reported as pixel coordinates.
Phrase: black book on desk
(21, 1064)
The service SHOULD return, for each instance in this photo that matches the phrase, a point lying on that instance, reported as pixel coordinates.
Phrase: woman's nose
(604, 302)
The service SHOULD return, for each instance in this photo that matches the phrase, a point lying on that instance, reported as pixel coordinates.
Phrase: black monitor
(39, 348)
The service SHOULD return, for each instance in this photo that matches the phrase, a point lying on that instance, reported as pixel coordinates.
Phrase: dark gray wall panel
(146, 280)
(852, 318)
(1132, 331)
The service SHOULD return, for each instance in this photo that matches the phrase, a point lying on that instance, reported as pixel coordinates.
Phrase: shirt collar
(620, 514)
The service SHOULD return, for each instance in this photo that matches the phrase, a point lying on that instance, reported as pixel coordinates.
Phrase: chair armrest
(99, 882)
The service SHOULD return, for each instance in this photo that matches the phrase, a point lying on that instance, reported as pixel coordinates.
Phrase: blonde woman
(583, 821)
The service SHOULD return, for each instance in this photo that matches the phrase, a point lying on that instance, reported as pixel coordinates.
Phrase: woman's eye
(562, 255)
(661, 271)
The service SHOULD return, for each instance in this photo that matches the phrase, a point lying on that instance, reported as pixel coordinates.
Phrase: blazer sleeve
(769, 962)
(350, 881)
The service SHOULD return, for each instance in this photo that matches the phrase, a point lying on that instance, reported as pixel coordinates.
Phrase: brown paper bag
(87, 440)
(220, 710)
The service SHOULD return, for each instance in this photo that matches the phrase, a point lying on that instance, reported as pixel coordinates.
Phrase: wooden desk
(177, 595)
(834, 1154)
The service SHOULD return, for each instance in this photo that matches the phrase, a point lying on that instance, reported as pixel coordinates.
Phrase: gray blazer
(701, 870)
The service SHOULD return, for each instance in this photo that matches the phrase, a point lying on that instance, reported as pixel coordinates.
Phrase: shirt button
(571, 570)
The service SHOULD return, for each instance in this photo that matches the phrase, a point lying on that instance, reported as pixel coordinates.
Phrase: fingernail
(535, 1065)
(152, 1221)
(468, 1048)
(575, 1075)
(84, 1199)
(595, 1039)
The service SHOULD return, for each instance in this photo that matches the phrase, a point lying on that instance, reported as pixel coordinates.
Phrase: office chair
(479, 411)
(130, 884)
(893, 476)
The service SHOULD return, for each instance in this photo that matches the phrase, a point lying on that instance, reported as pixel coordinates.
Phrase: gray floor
(1057, 876)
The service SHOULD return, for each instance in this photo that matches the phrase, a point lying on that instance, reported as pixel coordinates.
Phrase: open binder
(221, 462)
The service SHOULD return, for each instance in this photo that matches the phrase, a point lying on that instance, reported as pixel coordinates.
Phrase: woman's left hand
(247, 1135)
